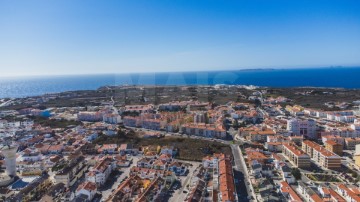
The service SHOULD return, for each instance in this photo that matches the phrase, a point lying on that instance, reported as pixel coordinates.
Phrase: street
(241, 167)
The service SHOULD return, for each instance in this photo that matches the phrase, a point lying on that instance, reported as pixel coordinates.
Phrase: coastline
(331, 77)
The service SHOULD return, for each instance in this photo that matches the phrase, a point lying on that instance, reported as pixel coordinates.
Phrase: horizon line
(187, 71)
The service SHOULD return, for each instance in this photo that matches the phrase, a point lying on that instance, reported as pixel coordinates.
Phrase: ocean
(17, 87)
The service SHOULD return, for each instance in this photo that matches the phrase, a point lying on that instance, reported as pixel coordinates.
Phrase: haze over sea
(341, 77)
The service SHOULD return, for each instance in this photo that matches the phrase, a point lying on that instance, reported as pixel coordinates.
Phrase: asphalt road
(242, 176)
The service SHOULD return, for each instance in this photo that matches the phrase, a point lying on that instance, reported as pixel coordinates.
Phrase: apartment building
(301, 127)
(73, 169)
(334, 147)
(205, 130)
(296, 156)
(350, 143)
(101, 171)
(321, 155)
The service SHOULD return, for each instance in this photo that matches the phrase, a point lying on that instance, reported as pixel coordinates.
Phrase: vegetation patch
(323, 178)
(189, 149)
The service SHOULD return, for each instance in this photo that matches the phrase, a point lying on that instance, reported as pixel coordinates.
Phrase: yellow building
(357, 159)
(334, 147)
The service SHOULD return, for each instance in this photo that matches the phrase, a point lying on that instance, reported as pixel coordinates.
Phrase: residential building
(101, 171)
(296, 156)
(289, 193)
(87, 189)
(302, 127)
(350, 143)
(334, 147)
(321, 155)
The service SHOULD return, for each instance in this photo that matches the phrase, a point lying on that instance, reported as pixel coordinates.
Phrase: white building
(302, 127)
(101, 171)
(31, 155)
(112, 118)
(87, 189)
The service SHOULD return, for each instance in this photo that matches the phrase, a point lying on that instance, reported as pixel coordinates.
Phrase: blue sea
(315, 77)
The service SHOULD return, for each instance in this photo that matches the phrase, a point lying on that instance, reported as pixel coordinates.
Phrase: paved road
(241, 167)
(178, 194)
(4, 104)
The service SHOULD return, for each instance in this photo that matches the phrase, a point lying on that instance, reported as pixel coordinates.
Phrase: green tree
(296, 173)
(235, 124)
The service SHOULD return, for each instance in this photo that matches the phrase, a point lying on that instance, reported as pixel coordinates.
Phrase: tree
(296, 173)
(354, 174)
(235, 124)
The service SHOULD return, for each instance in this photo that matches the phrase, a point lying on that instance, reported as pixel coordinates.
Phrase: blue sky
(113, 36)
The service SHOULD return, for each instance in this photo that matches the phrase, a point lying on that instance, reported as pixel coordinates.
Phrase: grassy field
(189, 149)
(317, 97)
(322, 178)
(52, 123)
(307, 97)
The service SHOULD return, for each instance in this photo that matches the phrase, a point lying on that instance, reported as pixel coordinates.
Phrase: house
(30, 155)
(178, 168)
(153, 191)
(335, 196)
(274, 146)
(126, 149)
(165, 158)
(122, 161)
(145, 163)
(260, 135)
(150, 154)
(87, 189)
(286, 175)
(209, 161)
(55, 149)
(256, 167)
(127, 189)
(159, 165)
(348, 193)
(310, 193)
(167, 150)
(108, 148)
(288, 192)
(147, 173)
(256, 155)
